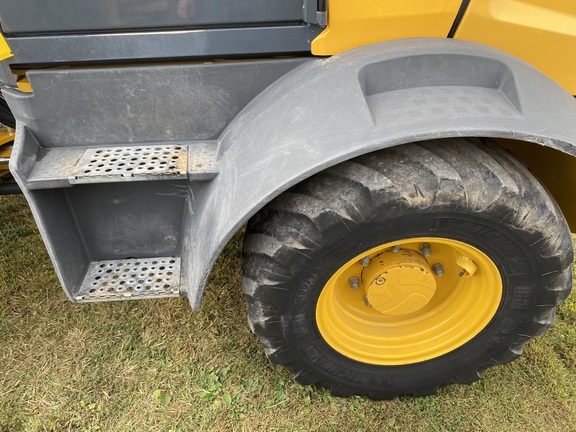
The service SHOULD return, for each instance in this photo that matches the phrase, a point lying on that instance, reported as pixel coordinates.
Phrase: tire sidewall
(509, 248)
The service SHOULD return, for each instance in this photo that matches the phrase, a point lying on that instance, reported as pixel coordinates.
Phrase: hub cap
(398, 283)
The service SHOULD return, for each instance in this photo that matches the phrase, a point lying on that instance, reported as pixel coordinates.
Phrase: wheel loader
(405, 169)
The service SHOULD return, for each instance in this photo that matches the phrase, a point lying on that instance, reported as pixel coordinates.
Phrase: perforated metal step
(62, 167)
(138, 163)
(130, 279)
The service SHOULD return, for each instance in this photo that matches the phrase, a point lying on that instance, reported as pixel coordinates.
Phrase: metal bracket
(316, 12)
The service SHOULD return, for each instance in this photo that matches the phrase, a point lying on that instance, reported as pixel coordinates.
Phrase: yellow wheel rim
(409, 301)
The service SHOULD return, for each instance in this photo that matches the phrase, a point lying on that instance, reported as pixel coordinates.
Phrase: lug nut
(395, 248)
(425, 249)
(354, 282)
(365, 261)
(366, 302)
(438, 270)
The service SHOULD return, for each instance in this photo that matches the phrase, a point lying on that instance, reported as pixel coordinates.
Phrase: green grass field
(158, 366)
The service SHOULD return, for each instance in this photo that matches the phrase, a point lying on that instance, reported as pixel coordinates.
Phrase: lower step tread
(135, 278)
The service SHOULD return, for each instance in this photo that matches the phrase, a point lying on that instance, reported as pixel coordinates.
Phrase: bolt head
(365, 261)
(438, 269)
(395, 248)
(354, 282)
(426, 249)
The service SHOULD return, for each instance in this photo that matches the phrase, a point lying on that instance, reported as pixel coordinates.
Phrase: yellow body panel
(355, 23)
(24, 85)
(6, 139)
(542, 32)
(556, 170)
(6, 136)
(5, 51)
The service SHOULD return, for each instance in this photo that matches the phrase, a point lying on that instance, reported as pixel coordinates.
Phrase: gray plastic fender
(378, 96)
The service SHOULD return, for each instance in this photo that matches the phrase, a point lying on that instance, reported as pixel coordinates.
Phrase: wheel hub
(399, 283)
(408, 301)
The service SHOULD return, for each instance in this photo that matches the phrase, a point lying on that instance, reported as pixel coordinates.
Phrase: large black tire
(469, 190)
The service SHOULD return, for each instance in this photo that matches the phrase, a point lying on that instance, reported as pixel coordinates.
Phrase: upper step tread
(62, 167)
(135, 163)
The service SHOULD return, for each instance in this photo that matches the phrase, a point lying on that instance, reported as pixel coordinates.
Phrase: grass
(156, 365)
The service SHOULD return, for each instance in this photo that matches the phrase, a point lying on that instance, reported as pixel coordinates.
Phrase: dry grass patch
(156, 365)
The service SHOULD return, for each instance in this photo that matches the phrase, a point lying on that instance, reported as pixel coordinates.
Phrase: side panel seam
(458, 19)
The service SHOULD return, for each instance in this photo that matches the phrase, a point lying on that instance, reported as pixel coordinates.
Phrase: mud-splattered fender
(330, 110)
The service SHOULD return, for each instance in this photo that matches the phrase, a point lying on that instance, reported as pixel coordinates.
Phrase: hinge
(316, 12)
(322, 18)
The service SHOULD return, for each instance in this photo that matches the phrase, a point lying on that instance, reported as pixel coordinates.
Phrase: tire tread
(460, 172)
